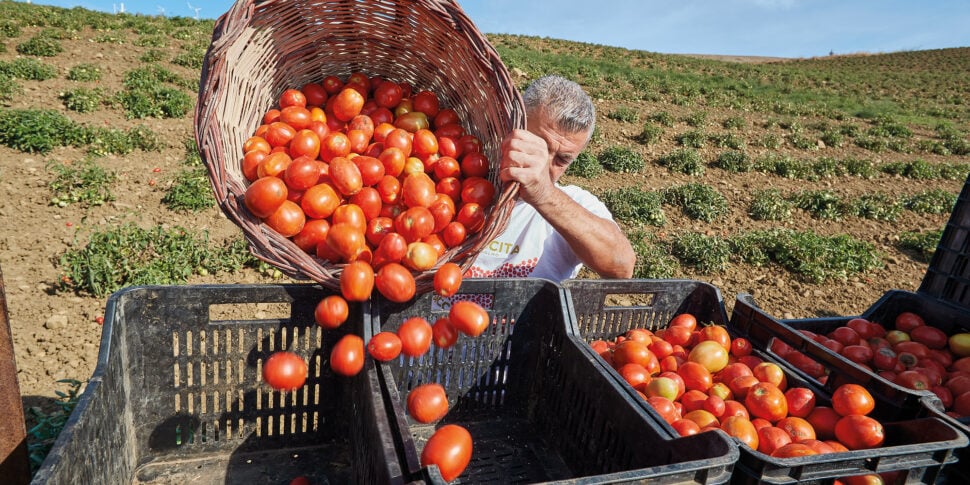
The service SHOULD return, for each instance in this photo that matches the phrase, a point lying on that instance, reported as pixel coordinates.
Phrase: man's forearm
(599, 243)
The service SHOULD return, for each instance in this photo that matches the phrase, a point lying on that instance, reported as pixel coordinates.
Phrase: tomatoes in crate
(706, 380)
(915, 355)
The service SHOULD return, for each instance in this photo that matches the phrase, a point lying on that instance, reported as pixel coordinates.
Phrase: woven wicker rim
(259, 49)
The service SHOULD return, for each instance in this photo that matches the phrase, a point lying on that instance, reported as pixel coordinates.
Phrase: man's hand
(525, 159)
(599, 243)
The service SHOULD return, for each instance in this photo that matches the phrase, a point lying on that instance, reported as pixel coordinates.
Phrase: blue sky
(782, 28)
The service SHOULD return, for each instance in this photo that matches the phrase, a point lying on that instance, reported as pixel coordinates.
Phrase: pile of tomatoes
(370, 175)
(450, 446)
(698, 378)
(912, 354)
(368, 172)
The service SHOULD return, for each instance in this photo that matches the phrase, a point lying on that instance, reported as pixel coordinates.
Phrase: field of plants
(816, 185)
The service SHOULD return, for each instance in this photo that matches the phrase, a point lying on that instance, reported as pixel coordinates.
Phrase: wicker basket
(260, 48)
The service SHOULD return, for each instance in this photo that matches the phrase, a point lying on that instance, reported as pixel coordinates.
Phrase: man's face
(563, 147)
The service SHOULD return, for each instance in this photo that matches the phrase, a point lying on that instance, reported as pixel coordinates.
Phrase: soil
(56, 334)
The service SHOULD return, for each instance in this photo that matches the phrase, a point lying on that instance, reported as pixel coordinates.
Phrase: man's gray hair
(564, 101)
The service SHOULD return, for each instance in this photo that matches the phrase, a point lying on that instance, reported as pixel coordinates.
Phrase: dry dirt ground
(56, 335)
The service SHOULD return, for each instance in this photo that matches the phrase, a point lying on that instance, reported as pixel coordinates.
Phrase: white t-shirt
(530, 247)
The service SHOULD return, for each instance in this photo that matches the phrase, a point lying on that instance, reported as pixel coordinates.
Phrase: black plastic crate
(177, 396)
(947, 278)
(604, 309)
(918, 438)
(940, 314)
(535, 398)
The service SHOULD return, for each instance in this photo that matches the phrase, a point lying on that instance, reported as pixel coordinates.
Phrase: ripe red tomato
(793, 450)
(823, 419)
(913, 379)
(472, 216)
(446, 116)
(427, 403)
(292, 97)
(696, 376)
(320, 201)
(358, 141)
(862, 327)
(314, 232)
(415, 334)
(400, 139)
(858, 432)
(424, 142)
(852, 399)
(347, 356)
(446, 168)
(468, 318)
(477, 190)
(288, 219)
(845, 335)
(285, 371)
(414, 223)
(297, 117)
(279, 134)
(443, 212)
(301, 480)
(251, 162)
(347, 104)
(715, 333)
(450, 448)
(741, 347)
(302, 173)
(346, 240)
(369, 202)
(799, 428)
(332, 84)
(859, 354)
(334, 144)
(931, 337)
(356, 280)
(454, 234)
(315, 94)
(770, 438)
(907, 321)
(800, 400)
(634, 374)
(384, 346)
(473, 163)
(274, 164)
(418, 190)
(742, 429)
(395, 282)
(685, 427)
(265, 195)
(443, 333)
(765, 400)
(345, 176)
(427, 103)
(331, 312)
(447, 279)
(388, 94)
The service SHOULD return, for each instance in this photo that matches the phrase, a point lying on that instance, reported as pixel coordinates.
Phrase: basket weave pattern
(261, 48)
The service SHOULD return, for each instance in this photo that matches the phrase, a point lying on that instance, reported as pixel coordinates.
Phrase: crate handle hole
(242, 312)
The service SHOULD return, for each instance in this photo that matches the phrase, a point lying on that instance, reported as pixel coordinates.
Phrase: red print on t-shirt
(521, 269)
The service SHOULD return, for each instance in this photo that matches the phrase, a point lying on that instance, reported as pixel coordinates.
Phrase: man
(553, 230)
